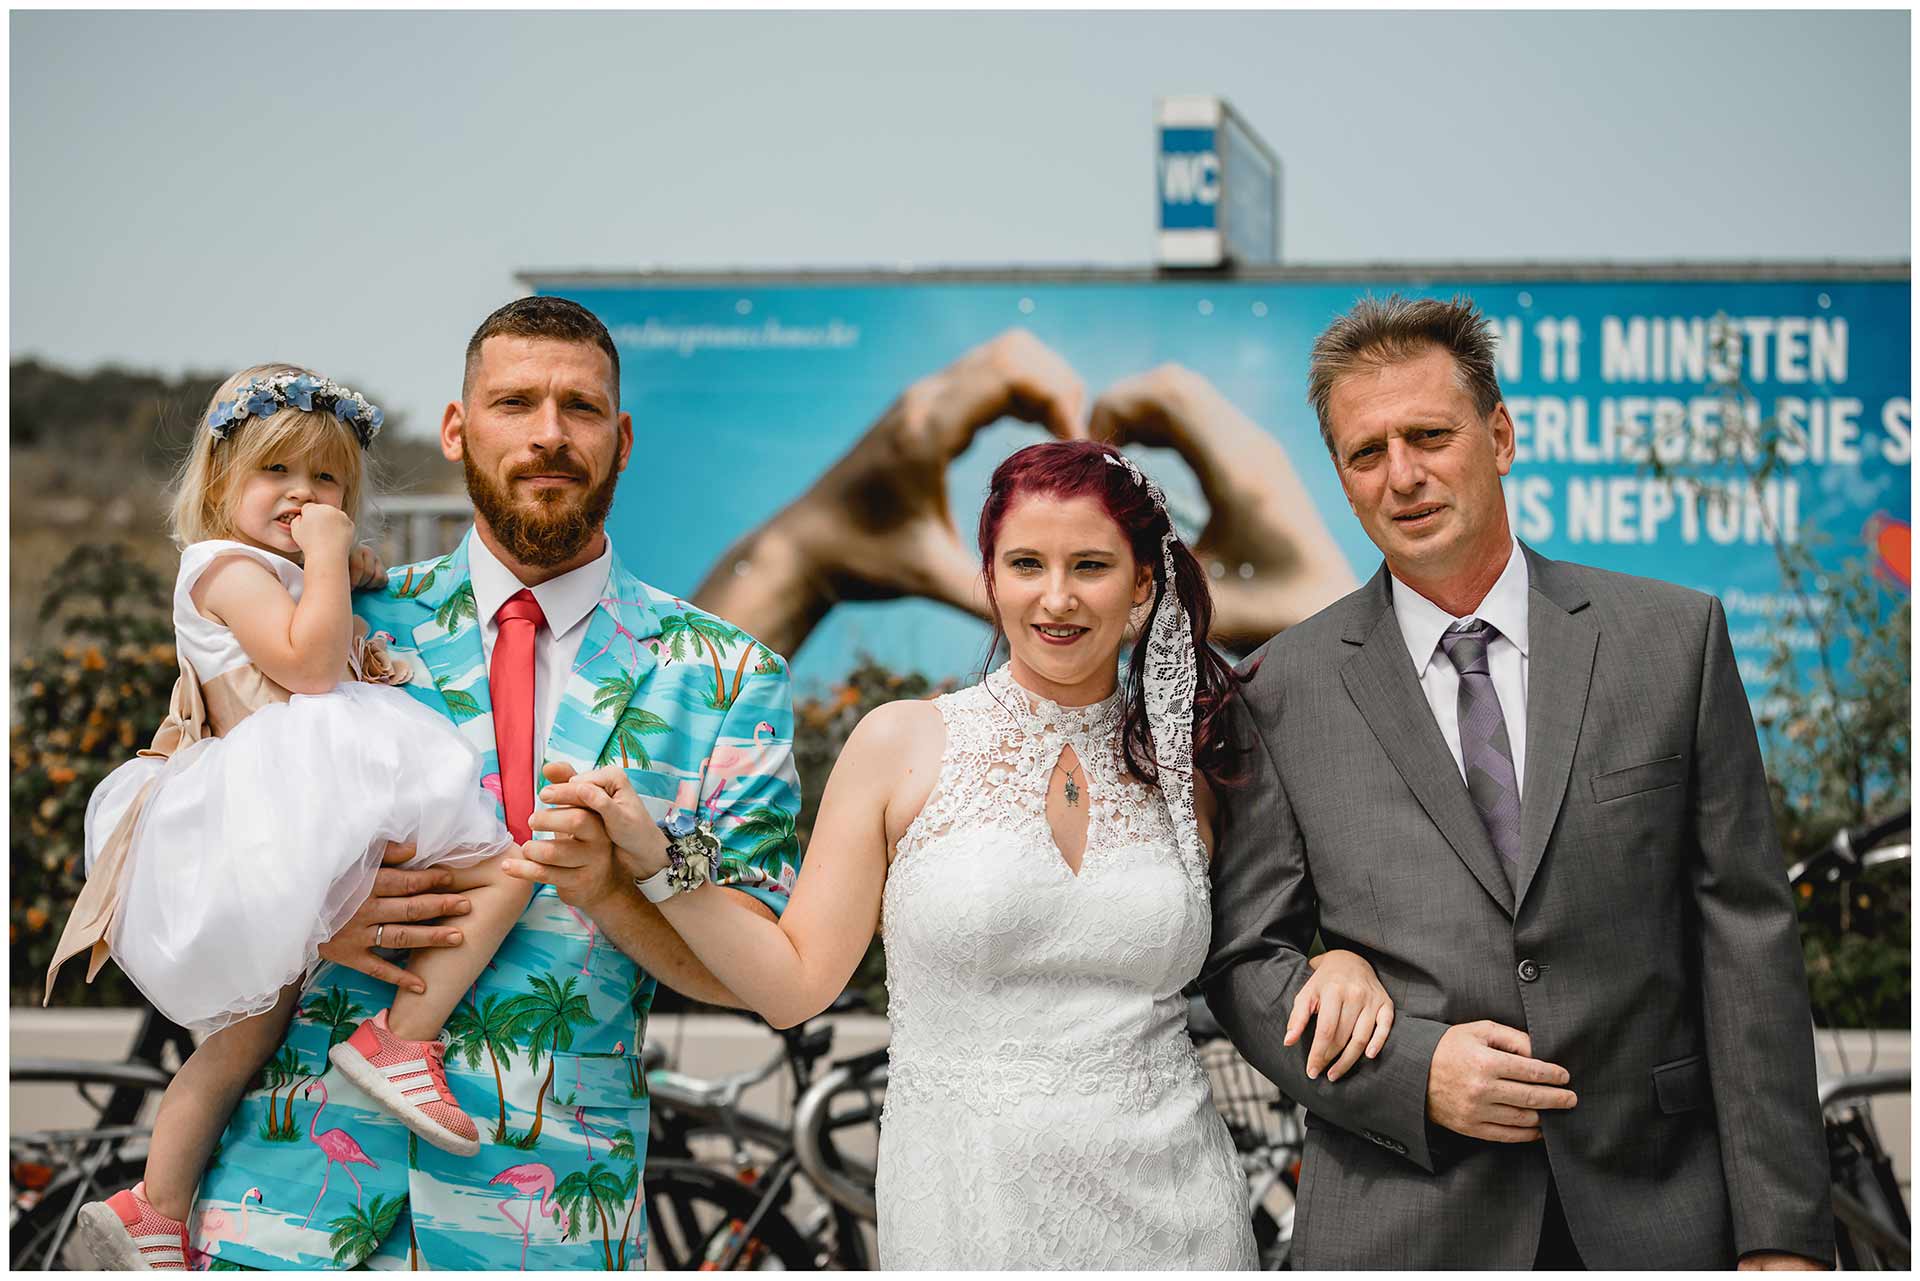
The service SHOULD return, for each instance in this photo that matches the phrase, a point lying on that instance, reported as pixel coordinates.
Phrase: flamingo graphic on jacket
(732, 759)
(532, 1179)
(217, 1227)
(340, 1149)
(587, 1128)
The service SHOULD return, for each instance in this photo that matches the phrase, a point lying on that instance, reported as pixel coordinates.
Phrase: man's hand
(1260, 516)
(878, 525)
(364, 569)
(1484, 1083)
(401, 901)
(578, 862)
(1764, 1261)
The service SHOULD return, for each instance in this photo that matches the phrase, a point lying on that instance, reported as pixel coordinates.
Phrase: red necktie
(510, 684)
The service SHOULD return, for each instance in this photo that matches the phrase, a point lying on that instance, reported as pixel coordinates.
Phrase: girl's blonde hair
(207, 490)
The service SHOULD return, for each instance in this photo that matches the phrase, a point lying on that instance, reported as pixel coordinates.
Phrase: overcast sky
(354, 191)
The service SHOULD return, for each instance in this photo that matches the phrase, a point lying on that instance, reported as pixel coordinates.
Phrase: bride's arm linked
(791, 969)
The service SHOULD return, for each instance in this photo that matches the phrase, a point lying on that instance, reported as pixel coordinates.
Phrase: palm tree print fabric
(544, 1052)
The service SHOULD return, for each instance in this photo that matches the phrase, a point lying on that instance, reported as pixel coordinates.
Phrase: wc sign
(1219, 186)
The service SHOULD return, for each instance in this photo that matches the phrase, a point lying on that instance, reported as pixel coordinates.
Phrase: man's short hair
(1386, 331)
(536, 316)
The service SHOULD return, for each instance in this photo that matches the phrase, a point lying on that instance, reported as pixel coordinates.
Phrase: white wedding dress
(1045, 1107)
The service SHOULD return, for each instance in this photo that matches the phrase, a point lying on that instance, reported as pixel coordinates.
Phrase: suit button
(1528, 971)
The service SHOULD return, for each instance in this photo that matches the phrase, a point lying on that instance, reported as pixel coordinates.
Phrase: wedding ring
(378, 930)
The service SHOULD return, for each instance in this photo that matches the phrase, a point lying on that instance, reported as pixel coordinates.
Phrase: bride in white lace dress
(1042, 904)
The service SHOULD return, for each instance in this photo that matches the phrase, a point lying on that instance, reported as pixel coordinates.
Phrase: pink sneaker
(409, 1080)
(124, 1233)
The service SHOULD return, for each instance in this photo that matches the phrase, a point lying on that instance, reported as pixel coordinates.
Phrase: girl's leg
(396, 1056)
(498, 900)
(196, 1106)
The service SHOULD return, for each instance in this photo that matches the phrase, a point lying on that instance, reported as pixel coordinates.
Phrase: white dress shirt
(1505, 608)
(567, 601)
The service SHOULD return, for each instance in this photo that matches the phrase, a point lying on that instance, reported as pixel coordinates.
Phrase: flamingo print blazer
(544, 1052)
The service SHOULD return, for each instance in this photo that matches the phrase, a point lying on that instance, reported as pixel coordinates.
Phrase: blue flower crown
(265, 397)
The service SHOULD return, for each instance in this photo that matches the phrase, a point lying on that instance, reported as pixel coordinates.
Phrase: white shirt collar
(564, 600)
(1505, 607)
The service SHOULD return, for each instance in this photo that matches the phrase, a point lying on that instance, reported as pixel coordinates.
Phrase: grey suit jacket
(1649, 948)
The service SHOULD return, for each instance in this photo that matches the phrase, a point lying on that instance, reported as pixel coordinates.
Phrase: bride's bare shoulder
(897, 747)
(904, 728)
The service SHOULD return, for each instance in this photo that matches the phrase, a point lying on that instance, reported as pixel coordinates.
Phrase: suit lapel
(448, 642)
(1382, 683)
(593, 726)
(1561, 643)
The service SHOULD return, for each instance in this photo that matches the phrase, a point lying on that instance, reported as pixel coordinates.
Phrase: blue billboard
(757, 398)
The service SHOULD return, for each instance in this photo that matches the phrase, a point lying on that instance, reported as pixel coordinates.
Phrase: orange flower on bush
(61, 775)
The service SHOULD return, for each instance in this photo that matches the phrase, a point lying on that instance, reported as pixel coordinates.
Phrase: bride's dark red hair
(1079, 469)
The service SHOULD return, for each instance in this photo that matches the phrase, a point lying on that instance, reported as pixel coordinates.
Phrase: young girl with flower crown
(224, 856)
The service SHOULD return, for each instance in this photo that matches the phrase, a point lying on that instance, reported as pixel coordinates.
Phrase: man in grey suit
(1529, 792)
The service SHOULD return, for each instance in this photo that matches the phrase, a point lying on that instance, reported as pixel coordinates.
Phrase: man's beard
(549, 530)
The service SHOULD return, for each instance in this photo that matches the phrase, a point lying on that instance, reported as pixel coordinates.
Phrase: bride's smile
(1065, 580)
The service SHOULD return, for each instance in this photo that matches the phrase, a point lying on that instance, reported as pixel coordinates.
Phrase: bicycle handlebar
(1865, 1085)
(1851, 849)
(131, 1075)
(717, 1095)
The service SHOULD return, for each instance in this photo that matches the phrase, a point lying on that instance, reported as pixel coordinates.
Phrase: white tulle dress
(255, 846)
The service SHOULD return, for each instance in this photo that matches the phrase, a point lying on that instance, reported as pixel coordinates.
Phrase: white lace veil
(1171, 679)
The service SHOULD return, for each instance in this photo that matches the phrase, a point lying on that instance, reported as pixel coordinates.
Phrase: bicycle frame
(714, 1106)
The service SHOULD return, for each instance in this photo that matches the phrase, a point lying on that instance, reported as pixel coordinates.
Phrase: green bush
(80, 708)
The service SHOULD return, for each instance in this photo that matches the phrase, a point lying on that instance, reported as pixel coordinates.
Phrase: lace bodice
(1002, 744)
(1045, 1101)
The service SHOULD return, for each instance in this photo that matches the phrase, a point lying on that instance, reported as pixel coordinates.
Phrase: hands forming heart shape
(878, 525)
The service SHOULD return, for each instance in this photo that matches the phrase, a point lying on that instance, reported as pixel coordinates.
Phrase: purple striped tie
(1484, 750)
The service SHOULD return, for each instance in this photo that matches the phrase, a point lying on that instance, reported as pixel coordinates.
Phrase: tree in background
(1833, 721)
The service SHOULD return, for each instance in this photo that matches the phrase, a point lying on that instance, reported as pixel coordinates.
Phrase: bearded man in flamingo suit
(537, 1052)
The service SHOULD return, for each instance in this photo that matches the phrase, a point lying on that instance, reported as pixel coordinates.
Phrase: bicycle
(739, 1215)
(1268, 1131)
(1872, 1227)
(52, 1173)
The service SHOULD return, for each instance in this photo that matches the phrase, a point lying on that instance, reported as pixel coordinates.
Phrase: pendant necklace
(1073, 788)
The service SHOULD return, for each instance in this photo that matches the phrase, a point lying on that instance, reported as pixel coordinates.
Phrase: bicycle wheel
(1275, 1191)
(695, 1215)
(1273, 1239)
(42, 1232)
(1871, 1228)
